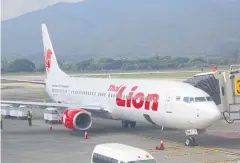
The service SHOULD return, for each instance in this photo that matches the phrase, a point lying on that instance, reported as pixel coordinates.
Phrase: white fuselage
(159, 102)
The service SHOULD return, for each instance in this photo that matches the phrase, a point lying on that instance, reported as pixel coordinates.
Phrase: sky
(14, 8)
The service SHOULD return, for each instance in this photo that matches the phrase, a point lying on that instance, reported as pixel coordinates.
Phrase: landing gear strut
(126, 123)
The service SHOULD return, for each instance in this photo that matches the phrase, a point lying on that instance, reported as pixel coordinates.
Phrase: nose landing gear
(191, 141)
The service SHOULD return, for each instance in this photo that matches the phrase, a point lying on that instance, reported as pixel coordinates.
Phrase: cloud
(14, 8)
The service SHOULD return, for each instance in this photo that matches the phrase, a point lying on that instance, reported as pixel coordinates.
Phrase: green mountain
(126, 28)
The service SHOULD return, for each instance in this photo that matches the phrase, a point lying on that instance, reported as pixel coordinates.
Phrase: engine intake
(77, 118)
(82, 121)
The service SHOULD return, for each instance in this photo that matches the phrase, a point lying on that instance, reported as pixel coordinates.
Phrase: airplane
(165, 103)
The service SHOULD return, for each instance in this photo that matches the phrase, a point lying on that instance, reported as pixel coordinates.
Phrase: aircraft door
(168, 105)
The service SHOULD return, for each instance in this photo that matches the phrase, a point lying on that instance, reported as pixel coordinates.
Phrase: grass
(150, 75)
(23, 74)
(177, 74)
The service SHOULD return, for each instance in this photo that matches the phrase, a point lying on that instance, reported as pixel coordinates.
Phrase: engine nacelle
(77, 118)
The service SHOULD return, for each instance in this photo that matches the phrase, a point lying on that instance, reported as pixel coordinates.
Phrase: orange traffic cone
(50, 128)
(161, 145)
(157, 148)
(86, 135)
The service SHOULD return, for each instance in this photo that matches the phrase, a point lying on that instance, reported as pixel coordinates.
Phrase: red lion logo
(48, 56)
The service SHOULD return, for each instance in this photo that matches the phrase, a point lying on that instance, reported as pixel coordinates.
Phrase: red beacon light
(214, 68)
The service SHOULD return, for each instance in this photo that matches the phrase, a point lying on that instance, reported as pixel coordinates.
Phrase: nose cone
(209, 114)
(214, 114)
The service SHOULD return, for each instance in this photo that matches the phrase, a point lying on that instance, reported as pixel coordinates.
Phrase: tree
(4, 65)
(40, 68)
(22, 65)
(83, 65)
(235, 55)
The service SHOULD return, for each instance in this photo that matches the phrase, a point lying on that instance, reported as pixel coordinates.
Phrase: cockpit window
(191, 99)
(197, 99)
(188, 99)
(209, 99)
(200, 99)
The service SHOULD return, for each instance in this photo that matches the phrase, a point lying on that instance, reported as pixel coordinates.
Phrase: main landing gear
(127, 123)
(191, 141)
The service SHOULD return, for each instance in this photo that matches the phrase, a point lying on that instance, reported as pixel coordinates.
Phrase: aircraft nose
(209, 114)
(214, 114)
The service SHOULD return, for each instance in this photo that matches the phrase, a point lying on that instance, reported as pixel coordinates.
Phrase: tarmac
(21, 143)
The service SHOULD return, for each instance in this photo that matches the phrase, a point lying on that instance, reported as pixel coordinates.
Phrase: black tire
(133, 124)
(125, 124)
(191, 141)
(188, 142)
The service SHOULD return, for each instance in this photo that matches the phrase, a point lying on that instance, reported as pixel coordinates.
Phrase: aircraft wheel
(133, 124)
(187, 142)
(124, 124)
(191, 141)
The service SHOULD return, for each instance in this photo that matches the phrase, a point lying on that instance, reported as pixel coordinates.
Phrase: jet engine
(77, 119)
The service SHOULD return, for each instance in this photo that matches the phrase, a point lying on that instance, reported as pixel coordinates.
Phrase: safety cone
(161, 145)
(157, 148)
(86, 135)
(50, 128)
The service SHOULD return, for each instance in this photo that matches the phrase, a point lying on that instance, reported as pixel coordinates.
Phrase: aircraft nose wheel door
(168, 106)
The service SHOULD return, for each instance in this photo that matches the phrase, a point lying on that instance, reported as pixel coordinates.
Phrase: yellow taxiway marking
(220, 161)
(175, 148)
(218, 151)
(181, 144)
(187, 154)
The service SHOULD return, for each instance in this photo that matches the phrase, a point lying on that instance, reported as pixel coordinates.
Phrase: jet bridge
(224, 88)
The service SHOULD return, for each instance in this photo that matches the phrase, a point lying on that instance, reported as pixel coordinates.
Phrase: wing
(25, 81)
(90, 108)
